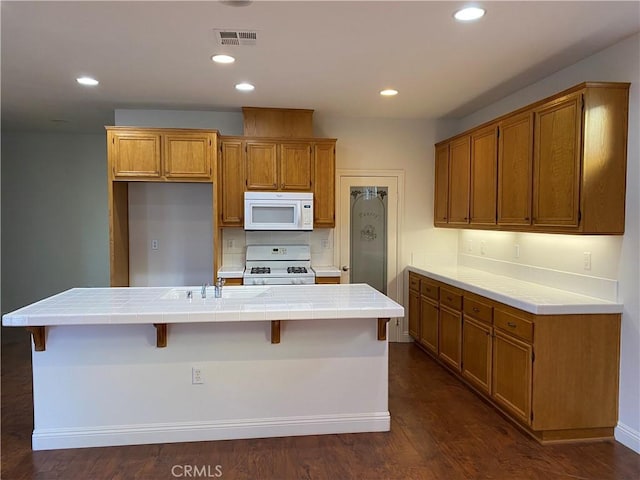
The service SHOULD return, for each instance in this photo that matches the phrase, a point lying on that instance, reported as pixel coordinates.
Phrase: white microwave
(278, 211)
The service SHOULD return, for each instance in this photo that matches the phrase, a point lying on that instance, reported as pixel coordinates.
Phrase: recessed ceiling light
(244, 87)
(469, 14)
(389, 92)
(87, 81)
(223, 58)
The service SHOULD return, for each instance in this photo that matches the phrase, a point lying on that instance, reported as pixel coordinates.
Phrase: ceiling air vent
(236, 37)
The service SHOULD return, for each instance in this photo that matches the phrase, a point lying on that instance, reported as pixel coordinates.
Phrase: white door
(368, 213)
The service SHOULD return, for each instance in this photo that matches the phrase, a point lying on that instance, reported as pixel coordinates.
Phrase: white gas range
(278, 265)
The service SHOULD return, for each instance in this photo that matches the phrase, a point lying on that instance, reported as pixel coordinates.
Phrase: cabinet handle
(282, 186)
(450, 299)
(476, 309)
(526, 218)
(511, 324)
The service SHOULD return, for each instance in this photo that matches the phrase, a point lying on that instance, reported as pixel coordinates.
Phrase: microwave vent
(242, 38)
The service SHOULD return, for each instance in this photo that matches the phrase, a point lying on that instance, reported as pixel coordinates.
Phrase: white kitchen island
(119, 366)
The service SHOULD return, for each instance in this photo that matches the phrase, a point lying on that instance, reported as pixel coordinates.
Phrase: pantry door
(368, 246)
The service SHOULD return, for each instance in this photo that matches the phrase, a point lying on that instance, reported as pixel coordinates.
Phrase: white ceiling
(330, 56)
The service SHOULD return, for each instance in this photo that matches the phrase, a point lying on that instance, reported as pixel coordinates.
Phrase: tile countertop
(530, 297)
(144, 305)
(326, 270)
(231, 271)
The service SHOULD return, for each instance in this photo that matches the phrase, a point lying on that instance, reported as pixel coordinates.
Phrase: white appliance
(278, 211)
(278, 265)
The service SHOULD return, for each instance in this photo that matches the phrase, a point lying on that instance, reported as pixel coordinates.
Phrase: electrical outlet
(231, 243)
(483, 248)
(516, 251)
(469, 246)
(196, 376)
(154, 244)
(325, 243)
(586, 259)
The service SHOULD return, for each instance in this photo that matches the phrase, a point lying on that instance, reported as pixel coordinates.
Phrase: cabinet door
(429, 324)
(459, 170)
(262, 165)
(135, 155)
(484, 163)
(295, 166)
(324, 185)
(188, 155)
(450, 336)
(512, 367)
(515, 176)
(231, 182)
(441, 201)
(556, 163)
(414, 314)
(476, 353)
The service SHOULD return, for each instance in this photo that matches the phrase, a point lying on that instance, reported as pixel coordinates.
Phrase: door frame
(395, 286)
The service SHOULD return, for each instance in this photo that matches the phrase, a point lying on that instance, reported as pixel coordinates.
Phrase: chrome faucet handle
(218, 287)
(203, 292)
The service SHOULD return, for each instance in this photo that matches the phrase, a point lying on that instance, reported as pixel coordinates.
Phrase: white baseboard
(628, 437)
(56, 438)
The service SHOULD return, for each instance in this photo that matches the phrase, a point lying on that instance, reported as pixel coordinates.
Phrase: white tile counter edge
(530, 297)
(145, 305)
(326, 271)
(231, 271)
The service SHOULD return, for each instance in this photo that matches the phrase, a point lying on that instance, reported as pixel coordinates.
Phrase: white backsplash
(547, 259)
(235, 240)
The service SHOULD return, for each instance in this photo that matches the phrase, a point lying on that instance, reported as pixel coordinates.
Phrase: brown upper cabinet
(153, 154)
(278, 166)
(441, 210)
(262, 165)
(277, 122)
(459, 169)
(268, 164)
(324, 184)
(556, 166)
(231, 180)
(515, 164)
(484, 166)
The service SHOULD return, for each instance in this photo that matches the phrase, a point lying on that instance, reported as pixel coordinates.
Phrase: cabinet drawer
(478, 310)
(516, 326)
(451, 299)
(429, 289)
(414, 282)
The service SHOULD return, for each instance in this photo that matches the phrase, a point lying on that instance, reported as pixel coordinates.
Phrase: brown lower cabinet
(555, 376)
(328, 280)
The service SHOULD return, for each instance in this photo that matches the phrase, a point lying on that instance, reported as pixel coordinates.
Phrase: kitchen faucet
(218, 287)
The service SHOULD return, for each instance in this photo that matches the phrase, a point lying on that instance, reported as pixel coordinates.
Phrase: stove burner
(296, 270)
(260, 270)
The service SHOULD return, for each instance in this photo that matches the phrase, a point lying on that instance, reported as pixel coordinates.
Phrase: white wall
(613, 257)
(368, 144)
(227, 123)
(179, 216)
(55, 229)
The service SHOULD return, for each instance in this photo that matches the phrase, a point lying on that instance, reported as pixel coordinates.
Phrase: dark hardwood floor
(439, 430)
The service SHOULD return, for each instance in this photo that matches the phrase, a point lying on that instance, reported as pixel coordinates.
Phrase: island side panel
(109, 385)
